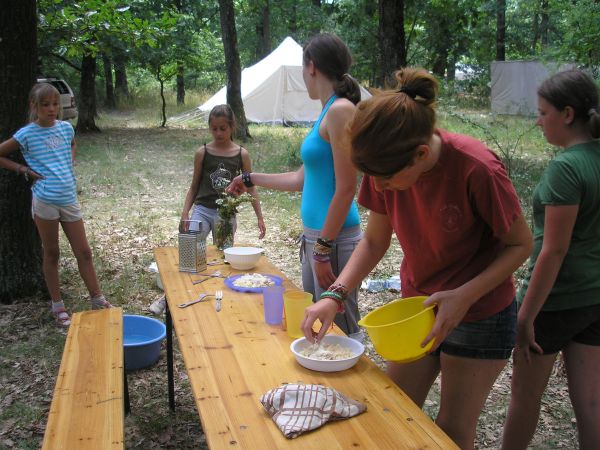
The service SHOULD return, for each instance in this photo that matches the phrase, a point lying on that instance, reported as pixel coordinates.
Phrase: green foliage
(579, 27)
(76, 28)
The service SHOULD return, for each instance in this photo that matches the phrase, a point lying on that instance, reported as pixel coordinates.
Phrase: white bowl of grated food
(333, 354)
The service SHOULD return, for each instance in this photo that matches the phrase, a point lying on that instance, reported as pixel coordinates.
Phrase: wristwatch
(247, 180)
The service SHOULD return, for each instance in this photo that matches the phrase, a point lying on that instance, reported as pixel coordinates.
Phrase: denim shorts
(555, 329)
(490, 338)
(46, 211)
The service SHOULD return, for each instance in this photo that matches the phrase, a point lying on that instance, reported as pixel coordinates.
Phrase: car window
(60, 87)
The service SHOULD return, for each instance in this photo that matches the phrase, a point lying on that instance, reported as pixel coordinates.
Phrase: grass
(132, 179)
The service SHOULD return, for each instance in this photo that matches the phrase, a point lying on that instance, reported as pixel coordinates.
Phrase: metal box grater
(192, 251)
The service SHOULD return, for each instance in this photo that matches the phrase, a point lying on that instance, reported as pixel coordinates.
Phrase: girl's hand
(262, 229)
(525, 342)
(236, 187)
(324, 273)
(184, 225)
(451, 308)
(324, 310)
(34, 176)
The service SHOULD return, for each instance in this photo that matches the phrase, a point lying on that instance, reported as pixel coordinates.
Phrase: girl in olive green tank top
(215, 165)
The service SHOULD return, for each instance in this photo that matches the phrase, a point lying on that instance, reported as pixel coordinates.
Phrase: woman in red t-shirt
(457, 217)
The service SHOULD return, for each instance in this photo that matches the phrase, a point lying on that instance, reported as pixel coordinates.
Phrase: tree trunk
(108, 82)
(392, 40)
(234, 72)
(121, 84)
(163, 109)
(500, 30)
(292, 20)
(86, 122)
(263, 30)
(20, 248)
(316, 26)
(180, 83)
(440, 62)
(544, 24)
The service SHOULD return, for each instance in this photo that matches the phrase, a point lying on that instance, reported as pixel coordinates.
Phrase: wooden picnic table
(232, 357)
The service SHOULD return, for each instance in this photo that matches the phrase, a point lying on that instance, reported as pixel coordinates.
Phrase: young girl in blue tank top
(327, 177)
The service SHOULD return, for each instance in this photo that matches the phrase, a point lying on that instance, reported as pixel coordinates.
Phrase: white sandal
(100, 302)
(61, 317)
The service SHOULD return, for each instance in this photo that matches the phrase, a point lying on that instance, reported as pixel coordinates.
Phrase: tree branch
(66, 61)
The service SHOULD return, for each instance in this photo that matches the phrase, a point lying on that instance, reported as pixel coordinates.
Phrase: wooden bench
(87, 408)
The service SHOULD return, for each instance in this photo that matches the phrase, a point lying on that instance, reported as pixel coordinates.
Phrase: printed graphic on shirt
(53, 142)
(451, 218)
(220, 178)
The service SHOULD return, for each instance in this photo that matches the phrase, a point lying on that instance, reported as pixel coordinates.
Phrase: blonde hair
(387, 128)
(39, 92)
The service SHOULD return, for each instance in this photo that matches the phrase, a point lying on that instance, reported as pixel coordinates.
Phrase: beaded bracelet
(339, 288)
(325, 242)
(321, 258)
(321, 249)
(247, 180)
(337, 298)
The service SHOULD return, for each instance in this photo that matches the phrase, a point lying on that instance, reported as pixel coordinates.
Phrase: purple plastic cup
(273, 303)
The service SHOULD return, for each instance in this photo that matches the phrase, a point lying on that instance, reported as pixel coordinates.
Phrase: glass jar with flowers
(227, 208)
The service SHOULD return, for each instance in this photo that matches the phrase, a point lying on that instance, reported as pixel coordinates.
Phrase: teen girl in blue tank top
(319, 178)
(327, 178)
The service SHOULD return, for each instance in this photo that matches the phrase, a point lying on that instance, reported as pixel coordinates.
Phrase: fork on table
(218, 298)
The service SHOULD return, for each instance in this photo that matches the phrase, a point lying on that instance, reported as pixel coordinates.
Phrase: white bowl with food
(333, 354)
(243, 258)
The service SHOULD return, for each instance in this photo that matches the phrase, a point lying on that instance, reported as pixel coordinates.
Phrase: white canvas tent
(515, 84)
(273, 90)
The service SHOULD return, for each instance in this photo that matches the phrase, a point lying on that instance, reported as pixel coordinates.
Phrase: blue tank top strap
(324, 111)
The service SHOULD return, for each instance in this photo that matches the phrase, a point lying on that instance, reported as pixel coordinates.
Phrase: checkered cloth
(297, 408)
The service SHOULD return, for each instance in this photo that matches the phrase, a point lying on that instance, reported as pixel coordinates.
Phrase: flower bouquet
(227, 208)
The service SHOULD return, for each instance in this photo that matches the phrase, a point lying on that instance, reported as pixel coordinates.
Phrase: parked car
(67, 98)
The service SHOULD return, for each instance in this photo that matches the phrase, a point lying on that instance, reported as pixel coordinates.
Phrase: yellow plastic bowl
(398, 328)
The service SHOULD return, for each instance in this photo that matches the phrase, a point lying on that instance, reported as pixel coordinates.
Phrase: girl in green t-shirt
(560, 298)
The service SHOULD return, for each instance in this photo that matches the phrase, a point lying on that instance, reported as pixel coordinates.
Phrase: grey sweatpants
(343, 246)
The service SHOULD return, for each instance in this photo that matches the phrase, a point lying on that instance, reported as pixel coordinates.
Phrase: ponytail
(348, 88)
(594, 122)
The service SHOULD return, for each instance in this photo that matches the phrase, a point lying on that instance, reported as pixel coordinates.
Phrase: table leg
(126, 393)
(169, 323)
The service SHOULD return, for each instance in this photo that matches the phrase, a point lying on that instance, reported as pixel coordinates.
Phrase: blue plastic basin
(141, 340)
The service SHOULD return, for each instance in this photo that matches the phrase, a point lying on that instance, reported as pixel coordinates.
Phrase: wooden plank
(87, 407)
(232, 357)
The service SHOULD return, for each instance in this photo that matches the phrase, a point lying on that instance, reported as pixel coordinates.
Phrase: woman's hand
(324, 310)
(451, 308)
(525, 341)
(324, 273)
(236, 187)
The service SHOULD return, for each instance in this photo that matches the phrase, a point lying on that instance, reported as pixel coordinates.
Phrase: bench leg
(169, 323)
(126, 393)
